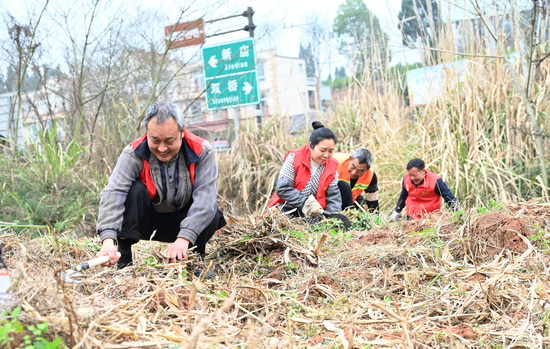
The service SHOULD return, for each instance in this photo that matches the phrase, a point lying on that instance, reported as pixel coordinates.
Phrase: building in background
(425, 85)
(285, 91)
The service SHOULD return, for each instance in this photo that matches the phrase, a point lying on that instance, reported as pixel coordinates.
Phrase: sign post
(230, 75)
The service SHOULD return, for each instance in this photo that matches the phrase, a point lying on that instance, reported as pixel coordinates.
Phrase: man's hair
(320, 133)
(363, 155)
(416, 163)
(164, 111)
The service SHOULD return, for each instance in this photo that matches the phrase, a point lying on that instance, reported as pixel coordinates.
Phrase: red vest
(422, 199)
(190, 143)
(302, 171)
(362, 183)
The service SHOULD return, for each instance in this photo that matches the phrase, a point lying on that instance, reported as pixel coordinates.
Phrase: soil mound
(493, 232)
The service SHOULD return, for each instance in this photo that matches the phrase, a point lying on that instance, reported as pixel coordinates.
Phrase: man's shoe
(122, 265)
(124, 261)
(199, 272)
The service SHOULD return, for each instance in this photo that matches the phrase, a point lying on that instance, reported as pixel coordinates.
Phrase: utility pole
(251, 26)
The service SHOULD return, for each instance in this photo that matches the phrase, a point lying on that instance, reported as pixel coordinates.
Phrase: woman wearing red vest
(163, 188)
(422, 192)
(308, 181)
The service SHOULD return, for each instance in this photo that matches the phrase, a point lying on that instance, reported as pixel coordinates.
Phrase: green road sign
(230, 74)
(229, 58)
(232, 91)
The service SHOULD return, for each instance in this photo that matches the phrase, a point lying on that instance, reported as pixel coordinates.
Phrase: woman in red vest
(422, 192)
(308, 181)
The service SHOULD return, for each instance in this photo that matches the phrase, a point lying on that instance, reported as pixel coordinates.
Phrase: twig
(320, 244)
(204, 322)
(403, 320)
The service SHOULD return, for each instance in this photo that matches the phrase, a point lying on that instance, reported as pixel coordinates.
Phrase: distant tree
(11, 80)
(307, 54)
(419, 23)
(398, 74)
(339, 72)
(21, 49)
(362, 39)
(316, 35)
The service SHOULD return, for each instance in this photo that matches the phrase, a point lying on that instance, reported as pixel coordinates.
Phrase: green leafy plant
(264, 261)
(295, 234)
(364, 221)
(546, 323)
(13, 334)
(539, 237)
(151, 261)
(494, 206)
(44, 187)
(291, 266)
(50, 159)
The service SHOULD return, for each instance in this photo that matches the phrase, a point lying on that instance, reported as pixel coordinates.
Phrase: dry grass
(403, 285)
(478, 281)
(477, 135)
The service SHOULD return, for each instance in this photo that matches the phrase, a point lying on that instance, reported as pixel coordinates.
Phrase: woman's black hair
(320, 133)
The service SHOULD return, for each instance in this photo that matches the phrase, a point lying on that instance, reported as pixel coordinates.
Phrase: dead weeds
(476, 281)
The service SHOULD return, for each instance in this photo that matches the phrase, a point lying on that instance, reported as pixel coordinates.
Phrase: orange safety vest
(302, 171)
(362, 183)
(422, 199)
(191, 146)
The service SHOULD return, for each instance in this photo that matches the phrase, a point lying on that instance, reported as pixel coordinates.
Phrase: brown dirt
(414, 226)
(320, 337)
(376, 236)
(463, 331)
(495, 231)
(317, 289)
(175, 297)
(478, 277)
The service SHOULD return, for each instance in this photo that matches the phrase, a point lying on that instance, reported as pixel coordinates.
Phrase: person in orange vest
(421, 192)
(308, 181)
(356, 177)
(163, 188)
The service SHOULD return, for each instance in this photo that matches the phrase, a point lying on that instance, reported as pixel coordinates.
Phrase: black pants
(347, 198)
(141, 220)
(345, 192)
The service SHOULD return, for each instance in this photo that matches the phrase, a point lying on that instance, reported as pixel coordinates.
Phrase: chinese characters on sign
(185, 34)
(230, 74)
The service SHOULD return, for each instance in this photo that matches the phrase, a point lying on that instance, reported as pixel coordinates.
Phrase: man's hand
(108, 248)
(312, 208)
(395, 216)
(178, 250)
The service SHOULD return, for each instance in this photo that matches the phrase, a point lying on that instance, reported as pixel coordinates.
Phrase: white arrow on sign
(247, 88)
(213, 61)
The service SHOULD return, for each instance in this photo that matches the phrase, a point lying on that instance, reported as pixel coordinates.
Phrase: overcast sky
(286, 21)
(280, 24)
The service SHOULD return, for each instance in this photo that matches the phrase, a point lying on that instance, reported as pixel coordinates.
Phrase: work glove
(395, 216)
(312, 208)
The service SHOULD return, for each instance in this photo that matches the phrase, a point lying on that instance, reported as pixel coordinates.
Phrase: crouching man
(355, 177)
(165, 181)
(421, 192)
